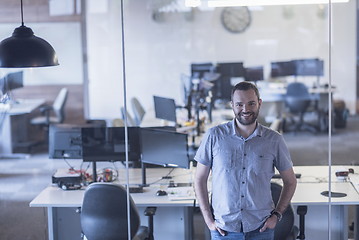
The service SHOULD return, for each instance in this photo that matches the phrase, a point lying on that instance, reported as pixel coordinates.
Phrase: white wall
(344, 53)
(157, 53)
(105, 84)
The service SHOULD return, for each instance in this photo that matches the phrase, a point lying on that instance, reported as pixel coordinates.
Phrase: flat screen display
(309, 67)
(283, 69)
(199, 69)
(165, 108)
(223, 85)
(65, 141)
(108, 144)
(254, 74)
(165, 148)
(231, 69)
(11, 81)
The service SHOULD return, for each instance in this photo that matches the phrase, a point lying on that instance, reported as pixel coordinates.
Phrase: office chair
(104, 214)
(130, 121)
(138, 110)
(51, 114)
(54, 113)
(285, 229)
(297, 100)
(118, 122)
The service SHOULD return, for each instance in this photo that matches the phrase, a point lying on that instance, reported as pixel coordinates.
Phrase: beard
(247, 118)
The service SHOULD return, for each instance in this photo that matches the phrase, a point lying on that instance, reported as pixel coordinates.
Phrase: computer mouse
(161, 193)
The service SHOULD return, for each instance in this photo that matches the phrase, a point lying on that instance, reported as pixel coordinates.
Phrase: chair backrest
(138, 110)
(297, 89)
(59, 105)
(130, 121)
(104, 212)
(118, 122)
(297, 98)
(284, 228)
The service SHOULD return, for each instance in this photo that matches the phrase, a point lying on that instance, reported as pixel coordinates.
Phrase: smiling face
(246, 105)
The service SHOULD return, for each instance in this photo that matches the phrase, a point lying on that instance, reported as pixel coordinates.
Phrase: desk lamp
(23, 49)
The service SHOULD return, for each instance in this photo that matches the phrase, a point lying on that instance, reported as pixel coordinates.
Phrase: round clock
(236, 19)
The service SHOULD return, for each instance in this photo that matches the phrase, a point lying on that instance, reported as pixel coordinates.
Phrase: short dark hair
(245, 86)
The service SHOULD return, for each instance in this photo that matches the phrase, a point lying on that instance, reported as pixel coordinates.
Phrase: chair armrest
(45, 108)
(150, 211)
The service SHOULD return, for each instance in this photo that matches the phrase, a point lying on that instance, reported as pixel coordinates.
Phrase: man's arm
(289, 185)
(201, 190)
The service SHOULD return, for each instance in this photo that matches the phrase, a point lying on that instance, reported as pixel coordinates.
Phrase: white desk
(315, 180)
(8, 134)
(273, 101)
(173, 219)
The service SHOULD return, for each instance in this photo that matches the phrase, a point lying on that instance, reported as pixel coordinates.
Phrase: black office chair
(297, 101)
(104, 214)
(285, 229)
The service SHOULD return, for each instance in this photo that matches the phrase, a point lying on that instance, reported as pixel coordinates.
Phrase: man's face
(246, 106)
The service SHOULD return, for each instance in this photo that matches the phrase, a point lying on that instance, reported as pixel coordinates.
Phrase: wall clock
(236, 19)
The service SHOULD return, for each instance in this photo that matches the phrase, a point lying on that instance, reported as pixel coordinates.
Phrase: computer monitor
(165, 148)
(254, 74)
(11, 81)
(231, 69)
(108, 144)
(309, 67)
(165, 108)
(199, 69)
(223, 86)
(283, 69)
(65, 142)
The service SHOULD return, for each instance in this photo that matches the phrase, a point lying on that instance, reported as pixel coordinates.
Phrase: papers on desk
(180, 193)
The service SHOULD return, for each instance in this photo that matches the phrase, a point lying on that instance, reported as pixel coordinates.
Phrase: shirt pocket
(227, 159)
(263, 163)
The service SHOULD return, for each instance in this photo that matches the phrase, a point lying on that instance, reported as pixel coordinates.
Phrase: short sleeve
(204, 153)
(283, 161)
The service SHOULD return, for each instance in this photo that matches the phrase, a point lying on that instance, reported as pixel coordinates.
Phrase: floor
(22, 179)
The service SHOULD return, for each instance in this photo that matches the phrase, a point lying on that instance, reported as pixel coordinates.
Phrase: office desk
(314, 180)
(14, 124)
(173, 219)
(274, 97)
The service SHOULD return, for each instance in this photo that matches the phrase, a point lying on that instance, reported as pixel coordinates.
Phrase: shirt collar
(257, 132)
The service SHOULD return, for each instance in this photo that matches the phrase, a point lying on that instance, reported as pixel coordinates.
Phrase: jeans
(268, 234)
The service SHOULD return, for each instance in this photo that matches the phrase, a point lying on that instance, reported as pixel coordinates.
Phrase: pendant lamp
(23, 49)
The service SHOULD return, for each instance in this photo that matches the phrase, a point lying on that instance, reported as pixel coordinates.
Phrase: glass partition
(160, 73)
(180, 63)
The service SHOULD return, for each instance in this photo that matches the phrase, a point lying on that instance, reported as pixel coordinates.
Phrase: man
(242, 155)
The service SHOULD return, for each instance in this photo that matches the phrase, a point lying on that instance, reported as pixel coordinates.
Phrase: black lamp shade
(23, 49)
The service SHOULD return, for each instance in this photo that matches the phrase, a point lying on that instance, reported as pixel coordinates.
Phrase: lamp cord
(22, 15)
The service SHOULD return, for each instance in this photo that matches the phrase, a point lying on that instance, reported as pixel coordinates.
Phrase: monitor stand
(94, 172)
(143, 170)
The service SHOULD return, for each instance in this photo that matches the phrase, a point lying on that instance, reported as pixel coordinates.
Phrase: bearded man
(242, 155)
